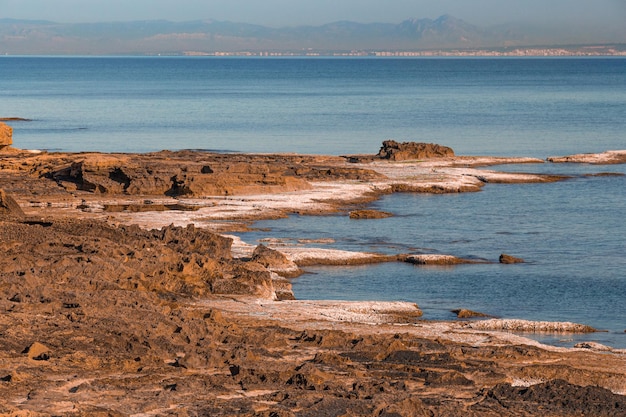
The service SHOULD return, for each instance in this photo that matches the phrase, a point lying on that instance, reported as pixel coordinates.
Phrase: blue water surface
(529, 107)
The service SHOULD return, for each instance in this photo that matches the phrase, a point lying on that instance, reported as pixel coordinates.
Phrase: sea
(572, 234)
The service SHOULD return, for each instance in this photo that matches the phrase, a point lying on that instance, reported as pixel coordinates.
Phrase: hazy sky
(298, 12)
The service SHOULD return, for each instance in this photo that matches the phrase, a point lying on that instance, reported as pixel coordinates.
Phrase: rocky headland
(122, 293)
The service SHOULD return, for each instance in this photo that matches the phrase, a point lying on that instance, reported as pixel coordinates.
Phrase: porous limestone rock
(396, 151)
(515, 325)
(275, 261)
(6, 135)
(174, 174)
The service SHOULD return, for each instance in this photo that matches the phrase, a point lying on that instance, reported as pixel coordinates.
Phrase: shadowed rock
(557, 397)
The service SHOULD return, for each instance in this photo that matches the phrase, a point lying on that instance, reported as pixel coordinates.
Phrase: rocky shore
(122, 294)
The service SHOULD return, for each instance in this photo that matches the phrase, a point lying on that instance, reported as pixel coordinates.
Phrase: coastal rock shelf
(121, 295)
(608, 157)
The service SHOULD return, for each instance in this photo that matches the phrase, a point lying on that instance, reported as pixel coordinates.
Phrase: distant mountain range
(209, 36)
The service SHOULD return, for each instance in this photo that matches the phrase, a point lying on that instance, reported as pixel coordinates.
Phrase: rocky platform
(103, 317)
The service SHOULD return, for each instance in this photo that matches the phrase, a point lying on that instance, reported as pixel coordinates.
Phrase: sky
(279, 13)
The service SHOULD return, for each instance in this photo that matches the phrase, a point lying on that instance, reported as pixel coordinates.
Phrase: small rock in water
(369, 214)
(508, 259)
(468, 314)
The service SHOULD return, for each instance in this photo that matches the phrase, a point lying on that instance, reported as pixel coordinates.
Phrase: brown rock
(275, 261)
(409, 407)
(38, 352)
(166, 174)
(8, 206)
(396, 151)
(6, 135)
(130, 321)
(508, 259)
(369, 214)
(468, 314)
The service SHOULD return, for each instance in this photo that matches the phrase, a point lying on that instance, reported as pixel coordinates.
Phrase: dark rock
(508, 259)
(396, 151)
(14, 119)
(558, 397)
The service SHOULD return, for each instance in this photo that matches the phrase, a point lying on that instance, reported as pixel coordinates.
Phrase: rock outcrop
(275, 261)
(103, 318)
(192, 174)
(9, 207)
(6, 135)
(396, 151)
(91, 255)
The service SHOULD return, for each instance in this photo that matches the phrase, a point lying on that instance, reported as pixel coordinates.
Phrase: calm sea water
(570, 233)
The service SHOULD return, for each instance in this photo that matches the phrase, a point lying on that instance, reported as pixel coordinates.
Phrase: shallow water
(569, 234)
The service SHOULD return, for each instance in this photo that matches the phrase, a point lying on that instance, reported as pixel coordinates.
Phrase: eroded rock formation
(104, 319)
(91, 255)
(6, 135)
(396, 151)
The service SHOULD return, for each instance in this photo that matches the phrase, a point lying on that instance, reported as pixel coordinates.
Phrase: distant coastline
(535, 51)
(530, 52)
